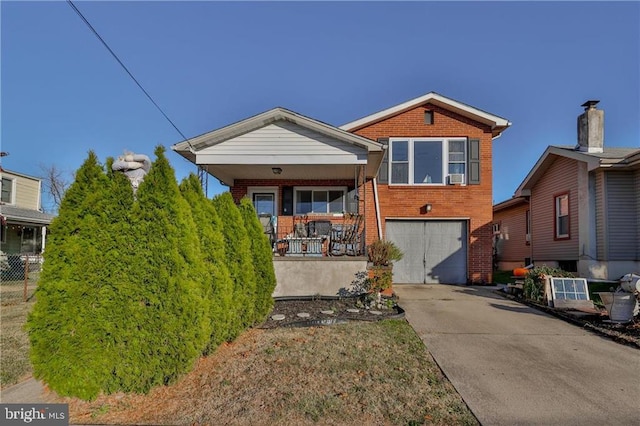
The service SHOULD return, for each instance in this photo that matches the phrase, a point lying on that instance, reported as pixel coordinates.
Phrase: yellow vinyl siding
(27, 191)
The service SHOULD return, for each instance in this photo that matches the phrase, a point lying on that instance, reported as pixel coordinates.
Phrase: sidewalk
(29, 391)
(515, 365)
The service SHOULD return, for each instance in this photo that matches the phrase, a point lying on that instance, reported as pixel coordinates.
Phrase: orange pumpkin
(520, 272)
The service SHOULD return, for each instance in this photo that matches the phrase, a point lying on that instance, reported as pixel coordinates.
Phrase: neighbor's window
(562, 216)
(527, 224)
(427, 161)
(320, 200)
(496, 228)
(7, 191)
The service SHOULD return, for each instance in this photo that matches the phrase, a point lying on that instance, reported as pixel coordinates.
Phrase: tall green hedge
(120, 303)
(70, 349)
(135, 287)
(212, 248)
(164, 322)
(238, 251)
(261, 254)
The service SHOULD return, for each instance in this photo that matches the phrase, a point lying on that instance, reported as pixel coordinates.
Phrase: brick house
(418, 173)
(584, 205)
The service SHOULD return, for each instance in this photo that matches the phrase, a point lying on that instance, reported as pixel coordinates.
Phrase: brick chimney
(591, 128)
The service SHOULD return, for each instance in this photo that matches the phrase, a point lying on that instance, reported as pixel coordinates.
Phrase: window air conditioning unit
(456, 178)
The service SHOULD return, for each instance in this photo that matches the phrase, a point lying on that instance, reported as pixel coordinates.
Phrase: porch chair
(269, 227)
(345, 238)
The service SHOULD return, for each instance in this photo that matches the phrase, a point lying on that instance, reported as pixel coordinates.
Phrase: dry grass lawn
(14, 343)
(357, 373)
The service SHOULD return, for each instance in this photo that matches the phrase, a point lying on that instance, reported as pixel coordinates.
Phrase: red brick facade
(473, 202)
(470, 202)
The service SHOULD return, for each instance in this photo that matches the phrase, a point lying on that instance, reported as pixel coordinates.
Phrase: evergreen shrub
(238, 251)
(262, 256)
(122, 300)
(212, 249)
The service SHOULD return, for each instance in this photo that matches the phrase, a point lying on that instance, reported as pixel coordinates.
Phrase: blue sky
(208, 64)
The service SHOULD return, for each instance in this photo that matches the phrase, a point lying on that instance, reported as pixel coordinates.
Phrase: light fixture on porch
(427, 207)
(276, 170)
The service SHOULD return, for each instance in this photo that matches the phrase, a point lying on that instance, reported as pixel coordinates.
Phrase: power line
(73, 6)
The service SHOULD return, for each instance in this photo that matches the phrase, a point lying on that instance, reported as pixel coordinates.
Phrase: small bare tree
(56, 183)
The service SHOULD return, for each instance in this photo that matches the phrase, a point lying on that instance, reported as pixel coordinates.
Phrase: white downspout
(44, 238)
(377, 204)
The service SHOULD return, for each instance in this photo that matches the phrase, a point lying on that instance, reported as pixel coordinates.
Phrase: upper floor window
(527, 225)
(320, 200)
(561, 216)
(418, 161)
(7, 191)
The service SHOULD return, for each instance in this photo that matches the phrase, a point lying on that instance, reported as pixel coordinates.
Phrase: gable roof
(609, 158)
(27, 216)
(497, 124)
(189, 147)
(511, 202)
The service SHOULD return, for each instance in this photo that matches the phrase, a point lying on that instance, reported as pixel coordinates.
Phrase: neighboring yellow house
(23, 224)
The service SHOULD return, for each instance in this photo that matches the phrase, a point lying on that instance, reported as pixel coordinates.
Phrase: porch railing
(316, 235)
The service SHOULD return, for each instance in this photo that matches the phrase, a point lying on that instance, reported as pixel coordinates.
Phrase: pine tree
(63, 327)
(121, 302)
(212, 248)
(165, 325)
(238, 251)
(262, 256)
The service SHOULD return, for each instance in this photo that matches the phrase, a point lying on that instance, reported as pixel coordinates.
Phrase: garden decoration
(622, 304)
(382, 254)
(134, 166)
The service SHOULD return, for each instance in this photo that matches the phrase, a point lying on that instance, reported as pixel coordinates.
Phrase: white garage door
(434, 251)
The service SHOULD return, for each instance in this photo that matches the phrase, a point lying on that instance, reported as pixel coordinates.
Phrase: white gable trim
(209, 139)
(468, 111)
(543, 163)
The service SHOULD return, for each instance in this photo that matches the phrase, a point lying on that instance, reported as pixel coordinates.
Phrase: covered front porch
(307, 180)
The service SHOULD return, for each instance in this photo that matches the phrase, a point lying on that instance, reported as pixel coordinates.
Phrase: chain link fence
(19, 275)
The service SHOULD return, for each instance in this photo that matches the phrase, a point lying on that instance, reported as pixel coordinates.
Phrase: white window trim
(445, 159)
(265, 190)
(344, 189)
(13, 189)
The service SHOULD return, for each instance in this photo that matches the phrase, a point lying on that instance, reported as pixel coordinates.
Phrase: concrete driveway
(514, 365)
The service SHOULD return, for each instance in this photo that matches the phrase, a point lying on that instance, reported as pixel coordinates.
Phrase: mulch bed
(627, 333)
(290, 308)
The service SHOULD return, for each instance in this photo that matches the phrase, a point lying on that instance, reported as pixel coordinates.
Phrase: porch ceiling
(228, 173)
